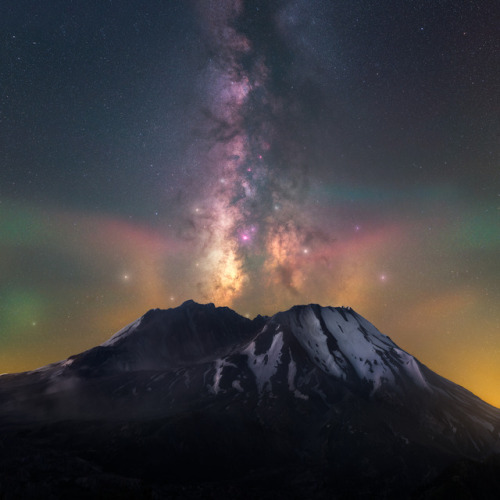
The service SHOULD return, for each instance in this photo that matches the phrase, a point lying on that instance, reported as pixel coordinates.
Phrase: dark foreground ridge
(200, 402)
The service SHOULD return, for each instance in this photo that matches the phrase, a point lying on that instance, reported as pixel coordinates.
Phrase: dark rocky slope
(198, 401)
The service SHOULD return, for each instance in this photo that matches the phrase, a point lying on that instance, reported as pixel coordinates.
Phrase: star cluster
(256, 155)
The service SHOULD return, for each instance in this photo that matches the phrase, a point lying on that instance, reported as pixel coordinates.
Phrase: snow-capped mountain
(314, 383)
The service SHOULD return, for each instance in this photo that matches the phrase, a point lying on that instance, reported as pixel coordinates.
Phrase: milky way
(248, 216)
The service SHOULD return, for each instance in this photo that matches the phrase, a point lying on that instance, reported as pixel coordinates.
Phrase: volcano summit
(313, 402)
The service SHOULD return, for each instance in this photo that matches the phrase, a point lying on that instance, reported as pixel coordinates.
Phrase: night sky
(254, 154)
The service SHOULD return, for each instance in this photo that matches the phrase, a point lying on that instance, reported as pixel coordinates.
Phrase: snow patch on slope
(237, 385)
(124, 332)
(220, 364)
(363, 350)
(340, 342)
(411, 367)
(307, 330)
(292, 372)
(265, 365)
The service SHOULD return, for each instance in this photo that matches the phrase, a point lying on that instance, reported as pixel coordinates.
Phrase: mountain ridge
(314, 387)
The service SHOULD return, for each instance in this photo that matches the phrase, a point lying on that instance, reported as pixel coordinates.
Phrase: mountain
(198, 401)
